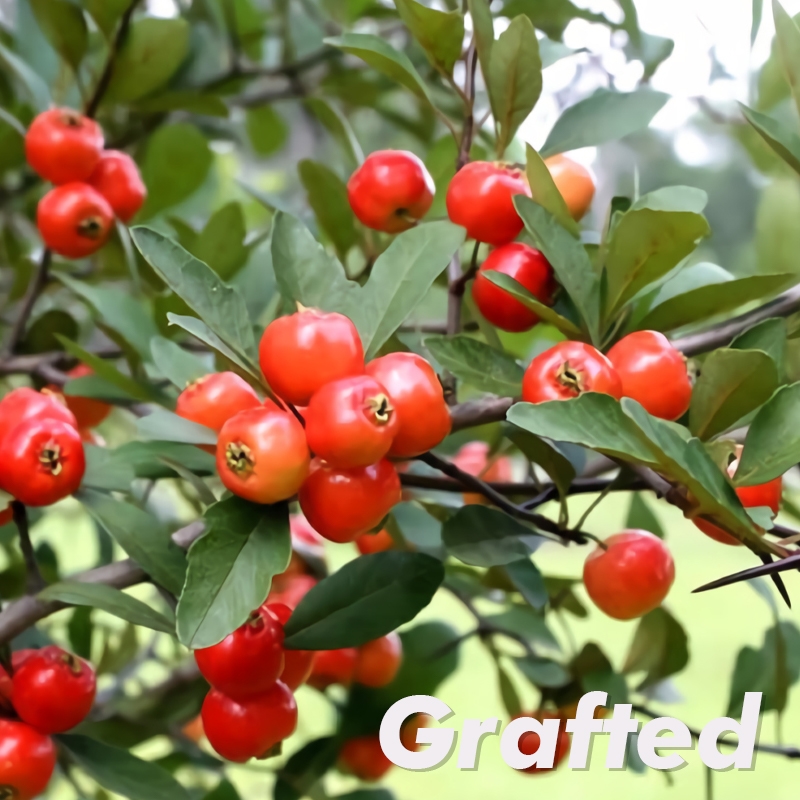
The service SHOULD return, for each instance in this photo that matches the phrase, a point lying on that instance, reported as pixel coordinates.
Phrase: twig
(468, 131)
(34, 582)
(35, 287)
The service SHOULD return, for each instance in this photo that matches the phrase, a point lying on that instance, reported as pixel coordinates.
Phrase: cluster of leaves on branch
(213, 258)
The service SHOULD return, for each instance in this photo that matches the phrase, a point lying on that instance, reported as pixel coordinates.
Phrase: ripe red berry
(24, 404)
(364, 758)
(74, 220)
(527, 266)
(574, 182)
(214, 399)
(418, 400)
(53, 690)
(27, 760)
(297, 664)
(631, 576)
(249, 728)
(62, 145)
(342, 504)
(333, 666)
(247, 661)
(379, 661)
(653, 373)
(291, 591)
(262, 455)
(302, 352)
(88, 412)
(117, 178)
(568, 370)
(374, 542)
(351, 422)
(390, 191)
(480, 198)
(305, 540)
(767, 494)
(473, 458)
(529, 743)
(42, 461)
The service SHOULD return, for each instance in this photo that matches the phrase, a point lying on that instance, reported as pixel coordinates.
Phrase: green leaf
(568, 258)
(705, 290)
(223, 791)
(366, 599)
(418, 527)
(208, 105)
(603, 117)
(150, 55)
(380, 55)
(106, 13)
(105, 470)
(547, 455)
(508, 693)
(148, 459)
(142, 536)
(545, 313)
(327, 196)
(338, 126)
(120, 772)
(36, 88)
(768, 336)
(175, 363)
(594, 671)
(642, 517)
(545, 192)
(523, 621)
(305, 767)
(477, 364)
(219, 306)
(772, 445)
(266, 129)
(220, 244)
(528, 581)
(164, 426)
(177, 159)
(65, 28)
(660, 648)
(514, 80)
(486, 537)
(543, 672)
(732, 383)
(109, 599)
(785, 142)
(441, 33)
(650, 239)
(787, 39)
(483, 26)
(231, 569)
(399, 280)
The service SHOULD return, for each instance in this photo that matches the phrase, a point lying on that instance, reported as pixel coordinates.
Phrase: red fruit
(333, 666)
(27, 761)
(262, 455)
(574, 182)
(297, 664)
(379, 661)
(390, 191)
(473, 458)
(351, 422)
(89, 413)
(364, 758)
(529, 743)
(42, 461)
(631, 576)
(416, 394)
(763, 494)
(53, 690)
(117, 178)
(62, 145)
(247, 661)
(568, 370)
(374, 542)
(480, 198)
(302, 352)
(527, 266)
(292, 590)
(249, 728)
(653, 373)
(344, 503)
(74, 220)
(214, 399)
(23, 404)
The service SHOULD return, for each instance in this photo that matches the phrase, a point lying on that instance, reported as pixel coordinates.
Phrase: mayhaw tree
(255, 376)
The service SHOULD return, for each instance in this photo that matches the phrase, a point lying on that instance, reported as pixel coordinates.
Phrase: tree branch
(35, 288)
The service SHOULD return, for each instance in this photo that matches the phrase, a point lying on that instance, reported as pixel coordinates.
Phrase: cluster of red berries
(352, 417)
(49, 691)
(92, 185)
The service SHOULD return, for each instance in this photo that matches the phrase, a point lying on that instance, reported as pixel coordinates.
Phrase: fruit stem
(34, 582)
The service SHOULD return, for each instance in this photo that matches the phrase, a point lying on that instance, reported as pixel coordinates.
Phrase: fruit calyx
(571, 378)
(91, 227)
(380, 408)
(50, 459)
(239, 458)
